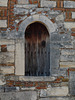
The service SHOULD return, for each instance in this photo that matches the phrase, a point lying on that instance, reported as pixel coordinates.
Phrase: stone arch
(51, 27)
(20, 57)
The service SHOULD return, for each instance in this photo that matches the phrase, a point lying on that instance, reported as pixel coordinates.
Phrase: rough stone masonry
(58, 16)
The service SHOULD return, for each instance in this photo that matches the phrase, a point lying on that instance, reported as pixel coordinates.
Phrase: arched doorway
(37, 50)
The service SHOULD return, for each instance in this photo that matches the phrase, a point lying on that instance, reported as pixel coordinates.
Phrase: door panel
(37, 50)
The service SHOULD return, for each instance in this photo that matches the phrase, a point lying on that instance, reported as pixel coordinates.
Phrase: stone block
(67, 58)
(25, 89)
(53, 12)
(45, 3)
(23, 1)
(1, 89)
(10, 89)
(20, 11)
(7, 57)
(7, 70)
(2, 83)
(67, 64)
(10, 48)
(6, 41)
(3, 23)
(63, 72)
(58, 98)
(69, 25)
(3, 2)
(67, 45)
(54, 91)
(60, 17)
(73, 15)
(26, 6)
(54, 58)
(19, 58)
(27, 95)
(67, 52)
(69, 4)
(72, 82)
(0, 48)
(32, 78)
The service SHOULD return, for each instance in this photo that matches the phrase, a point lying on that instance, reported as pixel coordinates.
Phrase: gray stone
(6, 57)
(27, 95)
(20, 11)
(45, 3)
(1, 89)
(54, 91)
(23, 1)
(58, 98)
(10, 89)
(67, 52)
(67, 58)
(63, 72)
(69, 4)
(60, 17)
(72, 83)
(54, 58)
(60, 37)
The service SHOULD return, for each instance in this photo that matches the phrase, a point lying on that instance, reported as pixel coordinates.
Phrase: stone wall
(59, 18)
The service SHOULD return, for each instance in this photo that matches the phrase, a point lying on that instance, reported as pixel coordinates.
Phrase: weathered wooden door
(37, 50)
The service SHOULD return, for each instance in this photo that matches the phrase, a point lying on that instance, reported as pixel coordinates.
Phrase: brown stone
(3, 48)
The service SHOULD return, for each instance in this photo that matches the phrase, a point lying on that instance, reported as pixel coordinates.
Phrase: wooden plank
(37, 51)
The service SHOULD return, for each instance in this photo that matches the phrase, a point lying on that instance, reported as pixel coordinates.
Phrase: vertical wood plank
(37, 51)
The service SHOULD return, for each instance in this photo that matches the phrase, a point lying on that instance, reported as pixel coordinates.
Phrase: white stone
(73, 14)
(26, 78)
(23, 1)
(54, 91)
(11, 48)
(2, 83)
(3, 23)
(35, 17)
(3, 2)
(6, 42)
(67, 64)
(45, 3)
(54, 12)
(69, 25)
(60, 17)
(7, 70)
(27, 6)
(30, 88)
(19, 58)
(69, 4)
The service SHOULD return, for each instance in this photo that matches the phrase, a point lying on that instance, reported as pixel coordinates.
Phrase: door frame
(20, 43)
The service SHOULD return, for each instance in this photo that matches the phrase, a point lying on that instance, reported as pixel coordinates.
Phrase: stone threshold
(33, 78)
